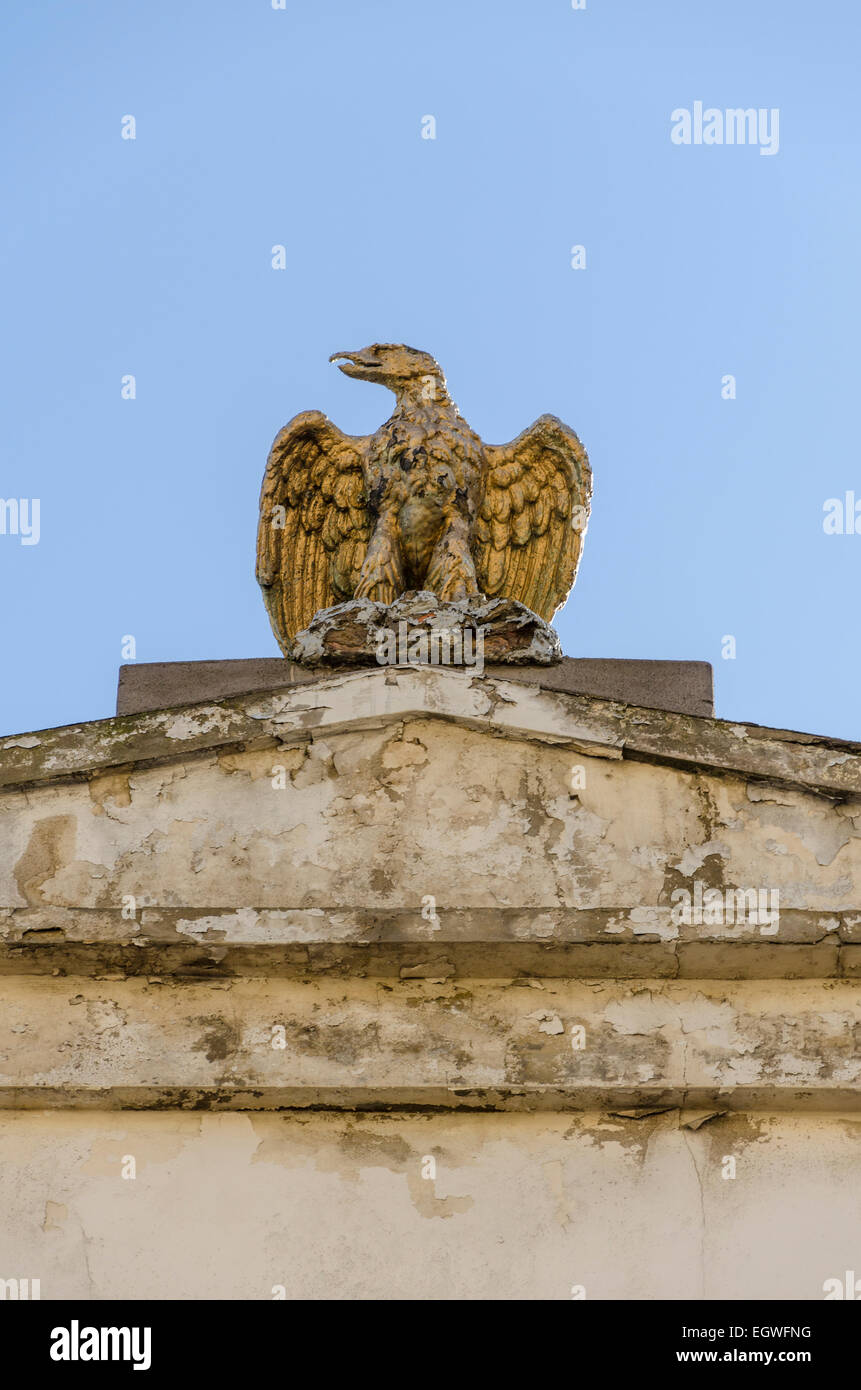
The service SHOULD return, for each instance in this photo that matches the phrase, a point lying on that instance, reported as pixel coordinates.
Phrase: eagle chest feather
(428, 461)
(422, 472)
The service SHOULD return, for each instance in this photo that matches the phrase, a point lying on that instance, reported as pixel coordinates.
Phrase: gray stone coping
(684, 687)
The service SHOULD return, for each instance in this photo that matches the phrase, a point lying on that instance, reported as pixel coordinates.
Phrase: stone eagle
(421, 504)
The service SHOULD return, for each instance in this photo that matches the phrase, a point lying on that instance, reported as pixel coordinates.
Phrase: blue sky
(302, 127)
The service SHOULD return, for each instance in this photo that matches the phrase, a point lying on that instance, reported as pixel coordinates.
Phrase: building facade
(420, 983)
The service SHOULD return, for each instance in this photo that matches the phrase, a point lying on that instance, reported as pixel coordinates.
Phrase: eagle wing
(314, 522)
(529, 528)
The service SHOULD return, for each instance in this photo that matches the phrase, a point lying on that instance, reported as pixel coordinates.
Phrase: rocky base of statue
(420, 629)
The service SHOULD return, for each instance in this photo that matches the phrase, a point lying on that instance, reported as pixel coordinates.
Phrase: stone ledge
(684, 687)
(357, 1044)
(631, 1103)
(374, 699)
(551, 942)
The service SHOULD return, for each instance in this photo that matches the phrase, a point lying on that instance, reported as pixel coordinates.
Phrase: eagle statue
(422, 504)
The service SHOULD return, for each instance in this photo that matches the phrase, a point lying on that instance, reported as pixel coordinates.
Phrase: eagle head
(389, 364)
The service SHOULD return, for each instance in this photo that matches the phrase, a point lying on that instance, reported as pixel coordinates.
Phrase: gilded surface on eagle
(422, 504)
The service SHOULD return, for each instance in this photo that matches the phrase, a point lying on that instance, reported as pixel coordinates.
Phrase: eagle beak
(357, 364)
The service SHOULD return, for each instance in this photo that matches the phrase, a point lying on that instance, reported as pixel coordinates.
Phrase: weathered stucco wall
(336, 1206)
(424, 891)
(382, 817)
